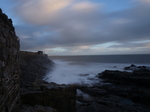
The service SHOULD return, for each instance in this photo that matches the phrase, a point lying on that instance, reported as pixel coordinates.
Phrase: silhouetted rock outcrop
(9, 65)
(135, 68)
(33, 67)
(119, 91)
(22, 77)
(60, 97)
(138, 77)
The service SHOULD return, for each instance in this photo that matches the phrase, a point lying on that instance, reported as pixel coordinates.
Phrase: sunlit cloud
(41, 11)
(85, 6)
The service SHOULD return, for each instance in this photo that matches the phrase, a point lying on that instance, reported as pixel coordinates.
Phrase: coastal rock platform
(120, 91)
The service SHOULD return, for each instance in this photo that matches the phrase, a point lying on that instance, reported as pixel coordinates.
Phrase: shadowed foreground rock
(120, 92)
(21, 75)
(33, 67)
(37, 108)
(137, 82)
(137, 78)
(35, 91)
(9, 65)
(62, 98)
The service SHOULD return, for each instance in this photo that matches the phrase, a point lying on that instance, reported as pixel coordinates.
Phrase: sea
(84, 69)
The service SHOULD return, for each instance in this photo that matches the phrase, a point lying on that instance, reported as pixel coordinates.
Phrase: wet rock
(141, 77)
(127, 68)
(132, 65)
(143, 68)
(135, 68)
(121, 91)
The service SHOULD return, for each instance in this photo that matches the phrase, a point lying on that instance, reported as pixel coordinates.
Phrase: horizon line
(98, 54)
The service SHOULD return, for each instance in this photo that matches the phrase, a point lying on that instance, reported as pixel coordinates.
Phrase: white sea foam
(69, 72)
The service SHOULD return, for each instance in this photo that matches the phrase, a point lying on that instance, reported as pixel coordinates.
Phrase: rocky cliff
(21, 86)
(33, 67)
(9, 65)
(35, 91)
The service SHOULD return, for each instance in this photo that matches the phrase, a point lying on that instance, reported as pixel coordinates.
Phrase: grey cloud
(70, 28)
(130, 45)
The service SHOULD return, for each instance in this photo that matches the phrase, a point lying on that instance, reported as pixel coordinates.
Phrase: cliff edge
(9, 65)
(33, 66)
(21, 86)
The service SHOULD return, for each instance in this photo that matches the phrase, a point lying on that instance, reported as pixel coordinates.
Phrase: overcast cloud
(68, 27)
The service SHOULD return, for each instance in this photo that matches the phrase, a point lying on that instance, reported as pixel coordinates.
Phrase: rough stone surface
(138, 77)
(35, 91)
(9, 65)
(60, 97)
(33, 67)
(37, 108)
(118, 91)
(29, 69)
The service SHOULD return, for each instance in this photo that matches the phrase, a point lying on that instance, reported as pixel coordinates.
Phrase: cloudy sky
(81, 27)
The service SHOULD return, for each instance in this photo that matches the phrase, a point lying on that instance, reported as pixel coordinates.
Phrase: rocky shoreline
(23, 90)
(38, 95)
(120, 91)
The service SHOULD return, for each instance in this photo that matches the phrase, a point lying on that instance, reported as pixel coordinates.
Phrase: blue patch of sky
(115, 5)
(7, 8)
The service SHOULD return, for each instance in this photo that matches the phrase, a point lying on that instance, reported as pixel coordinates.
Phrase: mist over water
(84, 69)
(71, 72)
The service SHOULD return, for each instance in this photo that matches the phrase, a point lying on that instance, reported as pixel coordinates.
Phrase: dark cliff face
(9, 65)
(21, 74)
(35, 91)
(33, 67)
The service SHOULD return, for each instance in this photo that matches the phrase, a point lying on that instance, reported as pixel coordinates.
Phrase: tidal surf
(84, 69)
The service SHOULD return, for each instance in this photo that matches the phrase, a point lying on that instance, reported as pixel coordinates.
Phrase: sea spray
(73, 72)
